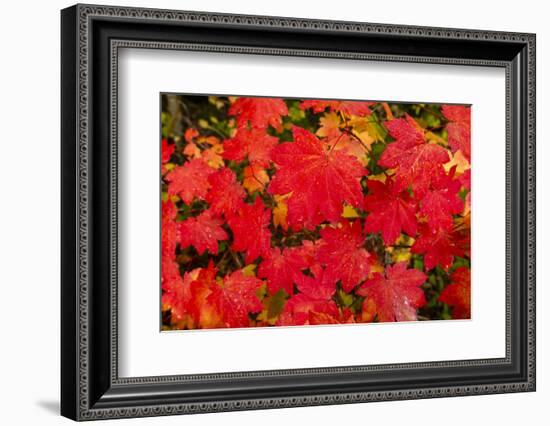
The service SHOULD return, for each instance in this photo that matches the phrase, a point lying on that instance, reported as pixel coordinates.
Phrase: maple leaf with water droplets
(320, 180)
(254, 144)
(397, 293)
(250, 226)
(321, 286)
(416, 162)
(190, 180)
(177, 291)
(458, 128)
(259, 112)
(236, 297)
(438, 246)
(282, 269)
(344, 255)
(391, 211)
(458, 293)
(202, 232)
(442, 201)
(225, 193)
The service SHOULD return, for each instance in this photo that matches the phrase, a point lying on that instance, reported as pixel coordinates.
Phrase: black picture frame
(90, 38)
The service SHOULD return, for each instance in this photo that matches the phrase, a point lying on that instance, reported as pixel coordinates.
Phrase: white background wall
(29, 212)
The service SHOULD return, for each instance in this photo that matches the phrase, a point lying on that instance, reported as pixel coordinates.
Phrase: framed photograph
(263, 212)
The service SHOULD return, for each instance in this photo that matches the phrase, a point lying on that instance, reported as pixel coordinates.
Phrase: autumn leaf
(348, 145)
(397, 293)
(254, 144)
(191, 134)
(280, 212)
(191, 150)
(415, 161)
(250, 226)
(320, 180)
(458, 128)
(213, 156)
(438, 246)
(442, 202)
(329, 125)
(458, 293)
(204, 313)
(259, 112)
(225, 194)
(190, 180)
(202, 232)
(177, 291)
(344, 255)
(235, 297)
(320, 286)
(255, 178)
(391, 211)
(281, 268)
(298, 308)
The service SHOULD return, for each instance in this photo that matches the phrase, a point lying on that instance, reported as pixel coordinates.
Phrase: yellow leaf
(457, 159)
(349, 212)
(329, 125)
(280, 211)
(249, 270)
(380, 178)
(255, 178)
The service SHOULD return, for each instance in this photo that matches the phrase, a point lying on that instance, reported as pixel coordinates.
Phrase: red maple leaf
(253, 143)
(250, 226)
(416, 161)
(225, 193)
(458, 128)
(320, 180)
(441, 202)
(167, 151)
(343, 254)
(347, 107)
(169, 229)
(190, 180)
(282, 269)
(391, 211)
(298, 308)
(202, 232)
(397, 293)
(439, 246)
(176, 291)
(320, 287)
(236, 297)
(259, 112)
(458, 293)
